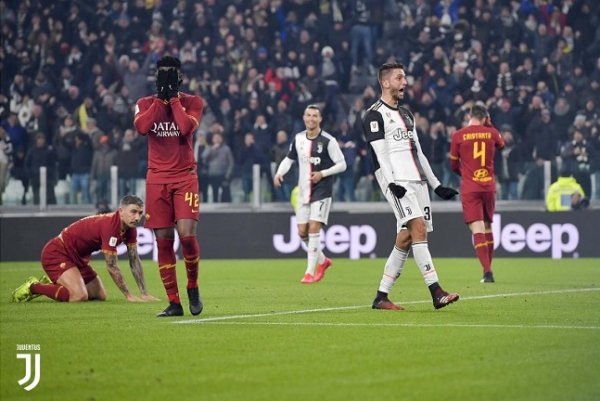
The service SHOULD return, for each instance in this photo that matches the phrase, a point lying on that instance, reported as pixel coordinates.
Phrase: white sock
(313, 253)
(321, 255)
(393, 269)
(423, 259)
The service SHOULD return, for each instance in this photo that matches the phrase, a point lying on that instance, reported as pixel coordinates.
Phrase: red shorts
(167, 203)
(56, 261)
(478, 206)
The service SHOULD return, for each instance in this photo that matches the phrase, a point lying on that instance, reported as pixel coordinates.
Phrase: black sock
(381, 295)
(433, 288)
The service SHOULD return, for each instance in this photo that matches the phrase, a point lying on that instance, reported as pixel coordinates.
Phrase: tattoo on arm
(115, 273)
(136, 267)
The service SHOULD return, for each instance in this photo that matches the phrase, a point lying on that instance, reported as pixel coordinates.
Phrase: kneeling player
(65, 258)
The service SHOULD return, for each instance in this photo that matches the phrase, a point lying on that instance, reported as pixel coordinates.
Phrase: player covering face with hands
(168, 80)
(168, 120)
(403, 172)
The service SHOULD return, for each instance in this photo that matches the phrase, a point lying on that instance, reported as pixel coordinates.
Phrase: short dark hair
(313, 107)
(479, 112)
(383, 70)
(168, 61)
(132, 200)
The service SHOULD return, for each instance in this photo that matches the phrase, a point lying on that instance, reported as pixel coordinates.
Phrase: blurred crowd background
(71, 72)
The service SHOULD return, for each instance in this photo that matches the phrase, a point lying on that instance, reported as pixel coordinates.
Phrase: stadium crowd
(71, 72)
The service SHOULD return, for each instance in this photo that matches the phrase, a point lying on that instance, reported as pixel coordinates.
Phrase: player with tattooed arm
(66, 258)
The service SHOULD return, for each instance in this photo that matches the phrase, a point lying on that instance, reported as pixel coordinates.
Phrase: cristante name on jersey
(165, 129)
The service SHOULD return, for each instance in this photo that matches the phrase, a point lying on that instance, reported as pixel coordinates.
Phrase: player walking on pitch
(402, 171)
(472, 157)
(319, 157)
(66, 258)
(169, 120)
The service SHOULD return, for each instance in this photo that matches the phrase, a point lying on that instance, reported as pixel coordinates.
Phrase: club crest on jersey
(408, 119)
(320, 147)
(165, 129)
(374, 125)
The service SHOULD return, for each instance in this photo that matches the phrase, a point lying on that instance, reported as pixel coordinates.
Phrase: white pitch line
(299, 312)
(451, 325)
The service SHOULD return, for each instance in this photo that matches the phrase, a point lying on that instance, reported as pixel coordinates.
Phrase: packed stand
(72, 72)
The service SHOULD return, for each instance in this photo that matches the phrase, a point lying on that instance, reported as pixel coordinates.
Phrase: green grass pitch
(533, 335)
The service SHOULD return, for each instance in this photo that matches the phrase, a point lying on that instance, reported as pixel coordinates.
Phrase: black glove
(161, 84)
(172, 83)
(445, 193)
(397, 190)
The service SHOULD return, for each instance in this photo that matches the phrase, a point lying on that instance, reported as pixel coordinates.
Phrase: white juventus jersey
(318, 154)
(396, 126)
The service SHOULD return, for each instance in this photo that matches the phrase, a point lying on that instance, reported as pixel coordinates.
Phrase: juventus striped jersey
(397, 154)
(322, 154)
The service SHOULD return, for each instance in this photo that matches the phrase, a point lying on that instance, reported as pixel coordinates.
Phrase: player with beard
(169, 120)
(402, 172)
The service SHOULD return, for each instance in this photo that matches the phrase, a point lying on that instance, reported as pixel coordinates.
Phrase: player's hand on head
(445, 193)
(398, 190)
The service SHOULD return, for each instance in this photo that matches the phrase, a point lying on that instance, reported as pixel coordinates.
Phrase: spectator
(544, 139)
(41, 155)
(202, 168)
(127, 164)
(80, 167)
(577, 156)
(63, 145)
(278, 153)
(219, 160)
(5, 160)
(347, 179)
(508, 165)
(249, 156)
(104, 157)
(361, 35)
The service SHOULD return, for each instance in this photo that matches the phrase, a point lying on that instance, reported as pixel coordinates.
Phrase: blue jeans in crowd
(347, 186)
(80, 183)
(361, 35)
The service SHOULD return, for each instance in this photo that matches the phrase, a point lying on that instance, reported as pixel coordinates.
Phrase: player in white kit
(402, 171)
(319, 157)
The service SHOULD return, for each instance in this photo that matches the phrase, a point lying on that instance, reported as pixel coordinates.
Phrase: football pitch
(533, 335)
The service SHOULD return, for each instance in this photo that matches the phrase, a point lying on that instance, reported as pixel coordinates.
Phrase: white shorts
(415, 203)
(317, 211)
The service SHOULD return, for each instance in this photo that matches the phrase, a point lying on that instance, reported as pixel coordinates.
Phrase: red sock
(167, 268)
(481, 249)
(191, 256)
(489, 238)
(53, 291)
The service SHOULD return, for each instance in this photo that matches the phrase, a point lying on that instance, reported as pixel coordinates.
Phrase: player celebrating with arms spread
(472, 157)
(402, 171)
(319, 158)
(66, 258)
(169, 120)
